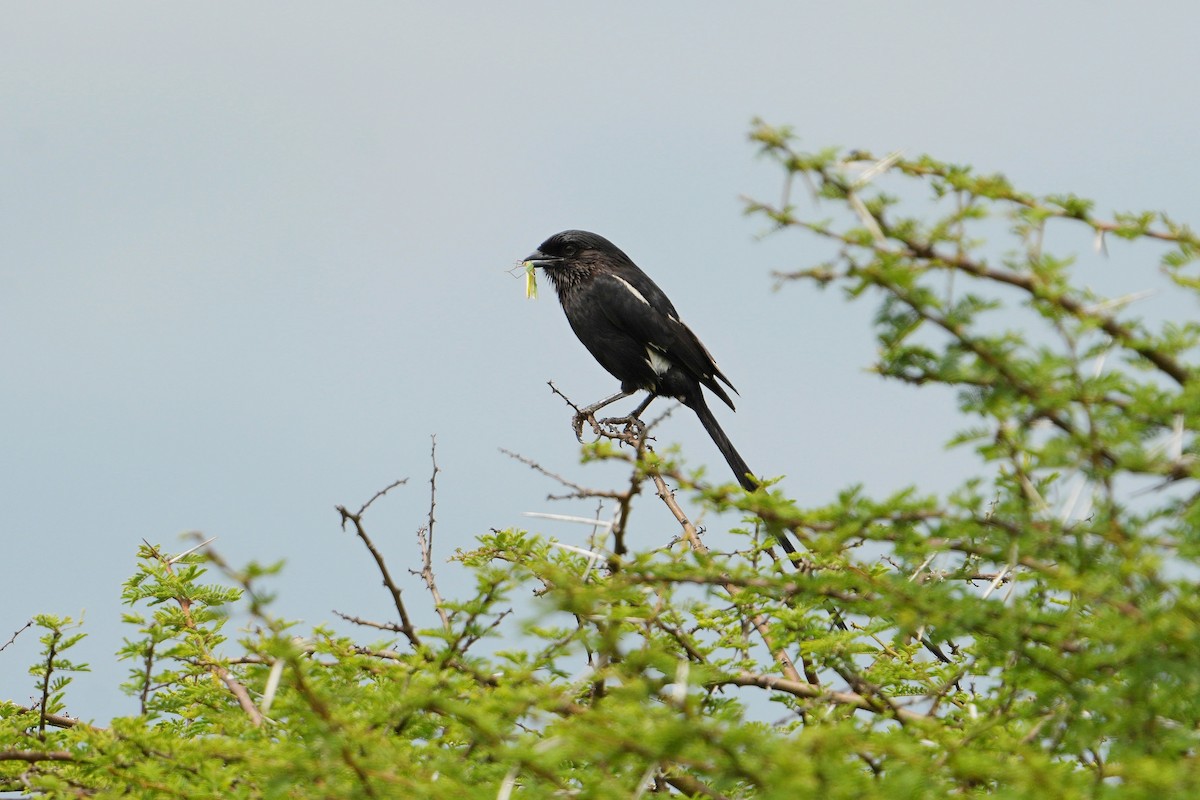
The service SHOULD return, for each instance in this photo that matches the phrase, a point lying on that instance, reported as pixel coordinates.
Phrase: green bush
(1033, 633)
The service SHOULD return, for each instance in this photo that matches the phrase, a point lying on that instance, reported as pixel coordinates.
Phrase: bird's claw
(632, 433)
(582, 417)
(633, 425)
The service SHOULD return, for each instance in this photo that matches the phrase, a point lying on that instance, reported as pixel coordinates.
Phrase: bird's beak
(540, 259)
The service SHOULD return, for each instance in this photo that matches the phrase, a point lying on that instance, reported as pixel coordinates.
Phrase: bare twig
(468, 634)
(432, 486)
(381, 493)
(17, 633)
(406, 626)
(579, 490)
(366, 623)
(568, 400)
(237, 690)
(425, 540)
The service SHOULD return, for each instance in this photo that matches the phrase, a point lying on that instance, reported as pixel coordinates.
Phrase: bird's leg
(637, 412)
(589, 414)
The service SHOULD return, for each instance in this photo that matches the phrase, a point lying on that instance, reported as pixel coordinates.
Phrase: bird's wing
(646, 314)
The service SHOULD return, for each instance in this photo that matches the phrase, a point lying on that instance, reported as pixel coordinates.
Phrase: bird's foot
(633, 428)
(585, 415)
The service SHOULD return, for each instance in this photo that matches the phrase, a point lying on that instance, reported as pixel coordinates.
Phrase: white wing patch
(658, 362)
(629, 286)
(655, 357)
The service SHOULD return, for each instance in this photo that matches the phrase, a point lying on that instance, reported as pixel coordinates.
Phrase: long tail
(740, 469)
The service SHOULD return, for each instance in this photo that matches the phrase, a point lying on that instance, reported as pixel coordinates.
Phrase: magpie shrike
(630, 326)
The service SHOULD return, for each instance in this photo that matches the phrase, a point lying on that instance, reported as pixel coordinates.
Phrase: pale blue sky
(251, 257)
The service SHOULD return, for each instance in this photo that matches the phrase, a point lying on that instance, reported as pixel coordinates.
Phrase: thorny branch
(406, 627)
(806, 690)
(923, 251)
(760, 621)
(33, 756)
(17, 633)
(578, 491)
(210, 660)
(46, 675)
(633, 432)
(425, 542)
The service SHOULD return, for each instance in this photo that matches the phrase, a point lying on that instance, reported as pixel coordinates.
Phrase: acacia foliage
(1035, 632)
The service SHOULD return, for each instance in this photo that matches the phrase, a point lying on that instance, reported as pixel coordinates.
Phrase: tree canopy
(1034, 632)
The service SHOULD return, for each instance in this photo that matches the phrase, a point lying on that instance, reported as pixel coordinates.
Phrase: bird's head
(571, 248)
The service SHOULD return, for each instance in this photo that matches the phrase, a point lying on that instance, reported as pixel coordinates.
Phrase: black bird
(630, 326)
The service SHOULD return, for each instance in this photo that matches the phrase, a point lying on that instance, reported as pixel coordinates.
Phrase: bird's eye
(571, 251)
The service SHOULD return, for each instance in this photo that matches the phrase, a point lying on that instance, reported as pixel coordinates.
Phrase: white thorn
(1118, 302)
(592, 521)
(583, 551)
(187, 553)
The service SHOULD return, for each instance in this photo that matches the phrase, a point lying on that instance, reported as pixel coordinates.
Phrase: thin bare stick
(425, 540)
(17, 633)
(432, 485)
(406, 626)
(579, 491)
(367, 623)
(381, 493)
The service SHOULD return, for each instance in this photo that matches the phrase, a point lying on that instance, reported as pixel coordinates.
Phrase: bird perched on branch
(630, 326)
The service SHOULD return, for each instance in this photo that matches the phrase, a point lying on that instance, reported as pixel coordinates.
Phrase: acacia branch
(406, 626)
(58, 720)
(33, 756)
(323, 711)
(578, 490)
(808, 691)
(1034, 288)
(207, 659)
(17, 633)
(56, 635)
(691, 787)
(425, 542)
(759, 621)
